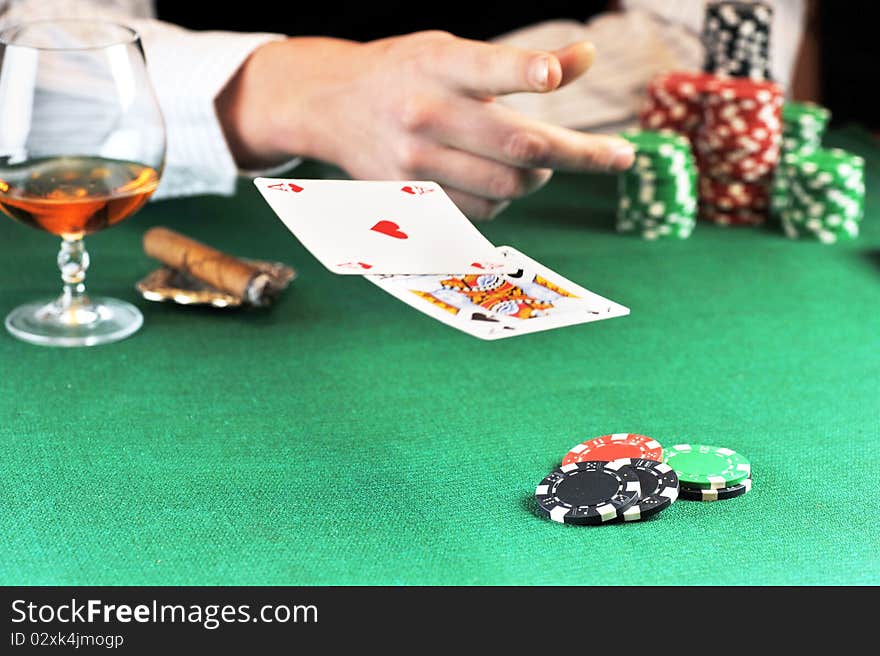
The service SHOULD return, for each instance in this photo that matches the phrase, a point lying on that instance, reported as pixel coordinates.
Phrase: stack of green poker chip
(825, 191)
(709, 473)
(803, 125)
(658, 194)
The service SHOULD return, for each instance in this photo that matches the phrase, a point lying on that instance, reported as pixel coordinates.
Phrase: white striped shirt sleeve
(188, 70)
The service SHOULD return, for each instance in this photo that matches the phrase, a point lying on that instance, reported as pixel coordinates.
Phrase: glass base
(100, 321)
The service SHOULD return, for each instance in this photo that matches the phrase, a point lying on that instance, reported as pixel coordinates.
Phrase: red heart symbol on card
(288, 186)
(355, 265)
(391, 229)
(476, 265)
(416, 191)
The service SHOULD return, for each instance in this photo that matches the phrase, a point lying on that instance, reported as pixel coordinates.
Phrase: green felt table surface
(344, 438)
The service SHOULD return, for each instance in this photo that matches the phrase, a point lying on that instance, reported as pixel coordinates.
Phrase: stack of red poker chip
(737, 148)
(675, 102)
(734, 203)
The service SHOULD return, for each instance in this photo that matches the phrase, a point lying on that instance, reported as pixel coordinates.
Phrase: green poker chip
(664, 142)
(805, 113)
(819, 231)
(677, 185)
(800, 143)
(827, 229)
(708, 467)
(826, 207)
(653, 233)
(657, 211)
(803, 126)
(656, 206)
(825, 167)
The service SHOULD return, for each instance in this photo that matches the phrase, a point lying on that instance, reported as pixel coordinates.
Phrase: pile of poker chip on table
(625, 477)
(820, 194)
(757, 157)
(736, 36)
(817, 193)
(658, 193)
(737, 148)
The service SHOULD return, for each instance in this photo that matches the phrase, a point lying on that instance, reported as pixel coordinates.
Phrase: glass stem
(73, 260)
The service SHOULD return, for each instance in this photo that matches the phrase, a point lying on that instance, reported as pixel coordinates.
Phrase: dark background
(364, 21)
(848, 42)
(849, 53)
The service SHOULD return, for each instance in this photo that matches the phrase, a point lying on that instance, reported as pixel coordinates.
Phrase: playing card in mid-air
(497, 305)
(378, 227)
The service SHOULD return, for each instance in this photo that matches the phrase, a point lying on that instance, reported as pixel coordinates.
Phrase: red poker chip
(614, 446)
(770, 154)
(735, 203)
(737, 126)
(676, 118)
(740, 144)
(723, 90)
(733, 131)
(731, 195)
(741, 114)
(730, 165)
(731, 173)
(731, 134)
(758, 108)
(721, 151)
(684, 84)
(675, 101)
(745, 170)
(750, 108)
(740, 217)
(722, 111)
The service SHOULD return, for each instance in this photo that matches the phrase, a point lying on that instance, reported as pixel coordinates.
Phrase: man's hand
(413, 107)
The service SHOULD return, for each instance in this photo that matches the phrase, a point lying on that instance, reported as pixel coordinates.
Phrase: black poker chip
(736, 38)
(659, 488)
(592, 492)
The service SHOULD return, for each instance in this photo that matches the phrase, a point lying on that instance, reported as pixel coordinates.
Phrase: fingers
(486, 69)
(575, 59)
(499, 133)
(474, 207)
(470, 173)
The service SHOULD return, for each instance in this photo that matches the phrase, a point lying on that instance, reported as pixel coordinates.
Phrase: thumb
(575, 59)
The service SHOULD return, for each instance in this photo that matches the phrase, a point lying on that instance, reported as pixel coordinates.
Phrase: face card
(498, 305)
(378, 227)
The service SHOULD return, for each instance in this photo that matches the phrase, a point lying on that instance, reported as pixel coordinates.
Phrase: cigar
(219, 270)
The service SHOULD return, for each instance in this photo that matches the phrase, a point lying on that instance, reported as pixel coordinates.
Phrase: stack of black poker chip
(736, 36)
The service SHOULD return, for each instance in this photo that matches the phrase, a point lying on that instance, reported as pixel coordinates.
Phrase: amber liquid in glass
(75, 196)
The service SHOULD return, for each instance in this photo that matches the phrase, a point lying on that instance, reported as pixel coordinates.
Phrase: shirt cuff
(272, 171)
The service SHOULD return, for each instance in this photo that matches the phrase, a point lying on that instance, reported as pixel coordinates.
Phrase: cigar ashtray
(167, 284)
